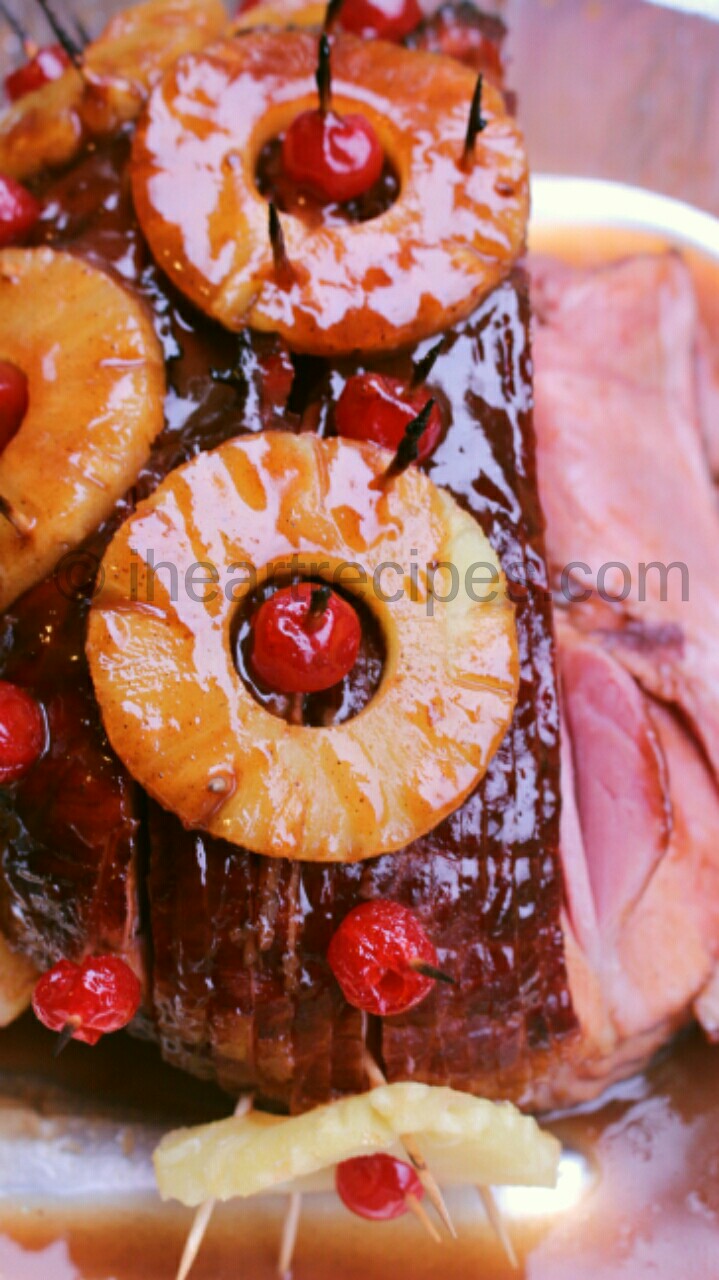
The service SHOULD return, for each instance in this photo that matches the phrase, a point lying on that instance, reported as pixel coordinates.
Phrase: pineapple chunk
(464, 1139)
(47, 128)
(282, 13)
(17, 979)
(96, 381)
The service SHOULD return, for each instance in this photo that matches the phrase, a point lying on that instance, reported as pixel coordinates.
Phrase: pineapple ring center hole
(333, 706)
(274, 184)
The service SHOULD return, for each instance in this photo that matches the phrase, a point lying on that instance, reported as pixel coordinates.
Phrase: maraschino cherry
(334, 158)
(49, 63)
(380, 19)
(377, 1186)
(382, 959)
(22, 732)
(13, 401)
(87, 1001)
(375, 406)
(305, 639)
(19, 211)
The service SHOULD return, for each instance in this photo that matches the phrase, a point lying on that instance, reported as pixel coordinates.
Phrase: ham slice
(631, 510)
(621, 430)
(641, 864)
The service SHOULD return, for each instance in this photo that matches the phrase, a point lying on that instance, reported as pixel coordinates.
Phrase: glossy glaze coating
(69, 830)
(242, 987)
(193, 735)
(241, 990)
(96, 385)
(450, 236)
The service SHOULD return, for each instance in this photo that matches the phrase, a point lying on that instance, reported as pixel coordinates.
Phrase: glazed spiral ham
(549, 992)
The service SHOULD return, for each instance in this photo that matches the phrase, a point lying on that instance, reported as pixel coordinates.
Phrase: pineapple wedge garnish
(17, 979)
(465, 1140)
(96, 380)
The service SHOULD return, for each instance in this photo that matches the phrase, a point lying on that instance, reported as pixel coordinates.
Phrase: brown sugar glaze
(239, 979)
(654, 1148)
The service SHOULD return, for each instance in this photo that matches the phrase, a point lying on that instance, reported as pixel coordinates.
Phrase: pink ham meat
(641, 863)
(623, 474)
(624, 478)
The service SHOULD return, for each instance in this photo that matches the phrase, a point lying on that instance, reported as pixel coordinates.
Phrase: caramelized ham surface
(241, 979)
(564, 978)
(69, 831)
(236, 944)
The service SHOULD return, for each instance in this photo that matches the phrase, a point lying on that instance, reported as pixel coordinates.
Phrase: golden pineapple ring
(180, 717)
(425, 262)
(49, 127)
(96, 381)
(282, 13)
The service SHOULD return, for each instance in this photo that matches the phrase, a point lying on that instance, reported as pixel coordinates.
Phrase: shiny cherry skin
(372, 954)
(100, 995)
(22, 732)
(19, 211)
(296, 650)
(377, 407)
(13, 401)
(381, 19)
(377, 1186)
(333, 158)
(47, 64)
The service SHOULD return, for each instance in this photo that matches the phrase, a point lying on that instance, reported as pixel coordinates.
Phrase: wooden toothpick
(498, 1224)
(289, 1236)
(201, 1220)
(412, 1148)
(417, 1208)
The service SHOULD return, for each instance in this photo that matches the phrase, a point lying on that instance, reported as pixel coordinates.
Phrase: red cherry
(19, 211)
(383, 19)
(377, 1186)
(372, 955)
(298, 649)
(47, 64)
(98, 996)
(374, 406)
(13, 401)
(332, 157)
(22, 732)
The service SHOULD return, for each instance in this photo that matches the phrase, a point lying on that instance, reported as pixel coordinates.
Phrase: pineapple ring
(96, 381)
(282, 13)
(17, 981)
(424, 263)
(465, 1141)
(48, 127)
(188, 729)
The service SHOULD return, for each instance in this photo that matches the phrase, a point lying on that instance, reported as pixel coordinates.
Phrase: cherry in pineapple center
(328, 156)
(309, 651)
